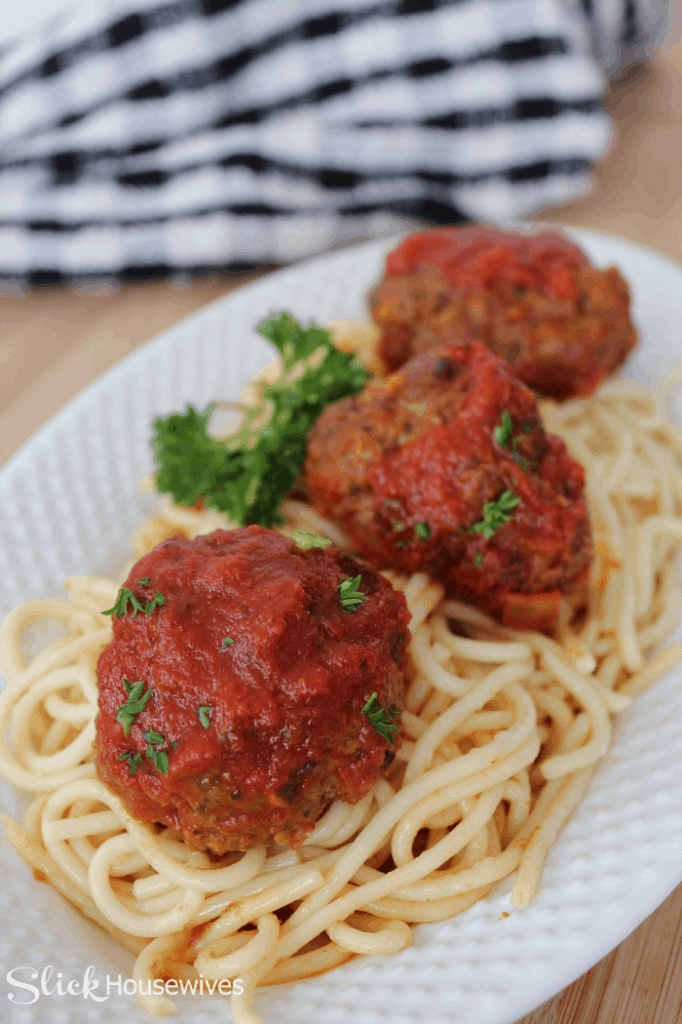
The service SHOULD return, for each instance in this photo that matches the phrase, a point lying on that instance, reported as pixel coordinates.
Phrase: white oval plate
(68, 505)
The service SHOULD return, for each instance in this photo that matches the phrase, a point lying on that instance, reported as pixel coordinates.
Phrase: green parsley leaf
(143, 582)
(125, 713)
(203, 714)
(399, 527)
(478, 559)
(401, 544)
(304, 540)
(503, 433)
(228, 641)
(423, 531)
(174, 744)
(380, 719)
(158, 757)
(155, 602)
(134, 760)
(152, 736)
(518, 456)
(134, 690)
(496, 514)
(349, 594)
(246, 475)
(503, 436)
(120, 607)
(125, 719)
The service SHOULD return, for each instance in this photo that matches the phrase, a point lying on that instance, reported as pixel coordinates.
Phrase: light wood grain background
(54, 341)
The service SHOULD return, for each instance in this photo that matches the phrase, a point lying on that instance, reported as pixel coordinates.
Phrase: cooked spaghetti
(503, 731)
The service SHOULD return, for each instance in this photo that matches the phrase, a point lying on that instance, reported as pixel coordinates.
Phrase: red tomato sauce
(534, 300)
(481, 257)
(286, 729)
(420, 447)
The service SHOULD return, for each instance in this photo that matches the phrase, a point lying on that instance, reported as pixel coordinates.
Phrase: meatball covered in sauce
(535, 300)
(251, 679)
(445, 467)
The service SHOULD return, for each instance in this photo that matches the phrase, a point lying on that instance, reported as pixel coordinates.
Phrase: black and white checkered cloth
(148, 137)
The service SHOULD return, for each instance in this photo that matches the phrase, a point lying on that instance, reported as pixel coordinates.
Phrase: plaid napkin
(141, 138)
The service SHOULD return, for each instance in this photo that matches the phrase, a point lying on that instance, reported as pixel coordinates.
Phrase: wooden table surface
(54, 341)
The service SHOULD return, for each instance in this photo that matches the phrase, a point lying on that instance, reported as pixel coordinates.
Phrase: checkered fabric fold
(148, 137)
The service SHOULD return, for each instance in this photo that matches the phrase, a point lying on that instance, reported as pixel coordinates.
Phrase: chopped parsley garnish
(503, 433)
(144, 581)
(125, 713)
(380, 718)
(228, 641)
(350, 596)
(134, 760)
(496, 514)
(478, 559)
(517, 455)
(245, 476)
(304, 540)
(120, 607)
(155, 602)
(158, 757)
(203, 714)
(152, 736)
(126, 597)
(423, 531)
(401, 544)
(399, 527)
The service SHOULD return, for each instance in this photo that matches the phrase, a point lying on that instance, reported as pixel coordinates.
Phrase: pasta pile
(503, 730)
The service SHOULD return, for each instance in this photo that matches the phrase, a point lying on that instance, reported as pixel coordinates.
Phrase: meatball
(534, 300)
(252, 679)
(445, 467)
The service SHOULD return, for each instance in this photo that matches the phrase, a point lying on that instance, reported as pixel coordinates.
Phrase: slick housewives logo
(29, 985)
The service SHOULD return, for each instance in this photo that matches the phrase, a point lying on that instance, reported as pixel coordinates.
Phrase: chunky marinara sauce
(535, 300)
(481, 257)
(409, 465)
(283, 703)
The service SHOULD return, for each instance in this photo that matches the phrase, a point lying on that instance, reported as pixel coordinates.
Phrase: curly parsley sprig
(246, 476)
(380, 718)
